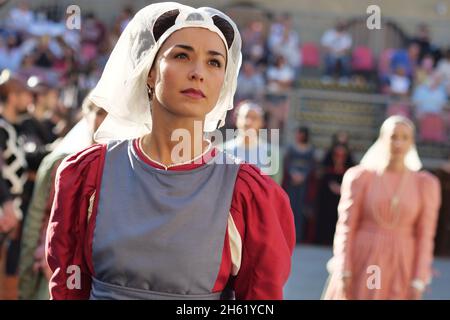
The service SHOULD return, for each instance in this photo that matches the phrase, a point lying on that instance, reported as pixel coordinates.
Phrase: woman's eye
(181, 56)
(215, 63)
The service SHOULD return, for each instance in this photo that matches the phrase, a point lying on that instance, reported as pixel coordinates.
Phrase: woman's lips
(192, 93)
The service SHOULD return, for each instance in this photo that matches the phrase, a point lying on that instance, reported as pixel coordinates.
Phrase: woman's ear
(151, 78)
(150, 81)
(151, 84)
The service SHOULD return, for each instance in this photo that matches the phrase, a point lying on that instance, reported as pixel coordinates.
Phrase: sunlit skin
(400, 141)
(191, 58)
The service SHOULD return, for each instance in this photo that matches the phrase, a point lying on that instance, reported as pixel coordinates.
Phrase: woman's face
(251, 119)
(302, 137)
(339, 154)
(401, 140)
(188, 72)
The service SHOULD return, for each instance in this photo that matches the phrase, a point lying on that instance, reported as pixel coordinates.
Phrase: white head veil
(122, 89)
(377, 157)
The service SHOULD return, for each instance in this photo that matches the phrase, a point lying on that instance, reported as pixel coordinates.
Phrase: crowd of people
(415, 78)
(418, 80)
(47, 71)
(43, 81)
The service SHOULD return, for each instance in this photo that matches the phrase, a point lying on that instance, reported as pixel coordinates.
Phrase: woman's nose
(196, 73)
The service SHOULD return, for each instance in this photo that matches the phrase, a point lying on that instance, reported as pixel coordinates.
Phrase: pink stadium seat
(399, 109)
(310, 55)
(362, 59)
(432, 128)
(385, 62)
(88, 52)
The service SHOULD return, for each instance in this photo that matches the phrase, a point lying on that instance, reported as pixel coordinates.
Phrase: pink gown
(384, 246)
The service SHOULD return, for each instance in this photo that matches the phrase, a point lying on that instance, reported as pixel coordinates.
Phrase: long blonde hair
(377, 157)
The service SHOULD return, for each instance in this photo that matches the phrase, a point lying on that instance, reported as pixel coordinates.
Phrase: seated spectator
(11, 53)
(120, 23)
(424, 70)
(125, 17)
(337, 43)
(399, 83)
(20, 18)
(253, 43)
(89, 78)
(284, 41)
(422, 37)
(280, 78)
(250, 83)
(406, 58)
(29, 69)
(430, 97)
(66, 62)
(430, 100)
(443, 68)
(44, 57)
(93, 34)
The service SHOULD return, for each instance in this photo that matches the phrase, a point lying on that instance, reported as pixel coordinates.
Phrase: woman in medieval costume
(383, 245)
(136, 217)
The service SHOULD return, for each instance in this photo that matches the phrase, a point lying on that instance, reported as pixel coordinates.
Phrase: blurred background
(320, 75)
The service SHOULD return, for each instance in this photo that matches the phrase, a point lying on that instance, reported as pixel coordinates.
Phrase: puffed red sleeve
(263, 217)
(67, 237)
(426, 226)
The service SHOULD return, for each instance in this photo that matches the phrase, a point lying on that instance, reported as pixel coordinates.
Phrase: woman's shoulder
(252, 183)
(82, 160)
(427, 180)
(358, 173)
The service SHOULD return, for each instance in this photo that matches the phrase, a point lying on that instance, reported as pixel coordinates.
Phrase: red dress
(258, 244)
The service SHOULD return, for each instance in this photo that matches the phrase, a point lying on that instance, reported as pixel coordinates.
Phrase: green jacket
(34, 286)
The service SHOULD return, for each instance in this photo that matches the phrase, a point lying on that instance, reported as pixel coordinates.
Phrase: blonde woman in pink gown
(383, 245)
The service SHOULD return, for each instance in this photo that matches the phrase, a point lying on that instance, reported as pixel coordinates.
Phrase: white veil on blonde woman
(377, 157)
(122, 89)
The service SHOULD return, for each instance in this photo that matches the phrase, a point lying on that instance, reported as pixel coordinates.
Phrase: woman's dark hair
(328, 160)
(305, 132)
(164, 22)
(226, 28)
(167, 20)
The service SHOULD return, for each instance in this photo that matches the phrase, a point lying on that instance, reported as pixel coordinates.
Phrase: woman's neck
(188, 143)
(396, 165)
(302, 145)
